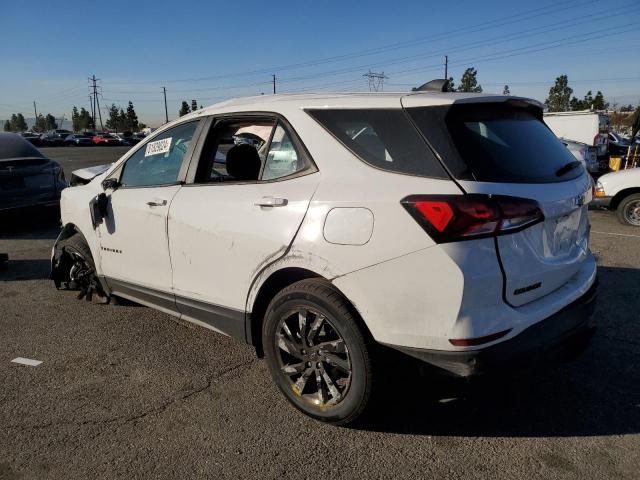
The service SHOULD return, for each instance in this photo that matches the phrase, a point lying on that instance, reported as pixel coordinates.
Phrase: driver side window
(158, 162)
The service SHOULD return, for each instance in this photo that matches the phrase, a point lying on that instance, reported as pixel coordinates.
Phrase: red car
(105, 139)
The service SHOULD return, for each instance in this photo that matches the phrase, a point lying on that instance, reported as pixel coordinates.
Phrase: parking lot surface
(128, 392)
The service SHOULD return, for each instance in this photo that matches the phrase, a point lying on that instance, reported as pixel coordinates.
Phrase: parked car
(451, 227)
(618, 145)
(51, 139)
(78, 139)
(33, 138)
(27, 178)
(586, 154)
(105, 139)
(620, 192)
(587, 127)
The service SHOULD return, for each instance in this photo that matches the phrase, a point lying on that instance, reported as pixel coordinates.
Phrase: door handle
(271, 202)
(157, 203)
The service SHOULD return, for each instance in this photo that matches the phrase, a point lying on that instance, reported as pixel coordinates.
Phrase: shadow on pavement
(32, 225)
(594, 395)
(26, 270)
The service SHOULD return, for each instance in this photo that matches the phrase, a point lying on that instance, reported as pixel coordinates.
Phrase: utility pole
(93, 116)
(35, 111)
(166, 112)
(376, 80)
(96, 102)
(274, 84)
(446, 67)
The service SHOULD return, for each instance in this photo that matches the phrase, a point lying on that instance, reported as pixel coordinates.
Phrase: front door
(133, 237)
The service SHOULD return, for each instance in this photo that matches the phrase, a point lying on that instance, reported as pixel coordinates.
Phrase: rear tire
(318, 355)
(628, 210)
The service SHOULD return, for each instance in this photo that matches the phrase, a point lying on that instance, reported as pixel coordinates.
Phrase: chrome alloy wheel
(314, 358)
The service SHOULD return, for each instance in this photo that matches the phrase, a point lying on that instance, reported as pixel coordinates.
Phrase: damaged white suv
(451, 227)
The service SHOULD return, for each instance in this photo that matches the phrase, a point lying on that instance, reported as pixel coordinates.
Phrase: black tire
(628, 210)
(76, 243)
(350, 397)
(76, 268)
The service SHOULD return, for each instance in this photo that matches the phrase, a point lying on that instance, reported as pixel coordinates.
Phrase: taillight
(450, 218)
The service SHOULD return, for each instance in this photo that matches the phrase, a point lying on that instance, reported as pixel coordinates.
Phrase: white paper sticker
(26, 361)
(157, 147)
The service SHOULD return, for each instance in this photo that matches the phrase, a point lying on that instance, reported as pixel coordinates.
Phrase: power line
(375, 80)
(502, 21)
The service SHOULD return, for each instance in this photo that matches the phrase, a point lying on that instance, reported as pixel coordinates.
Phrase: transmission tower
(95, 101)
(375, 80)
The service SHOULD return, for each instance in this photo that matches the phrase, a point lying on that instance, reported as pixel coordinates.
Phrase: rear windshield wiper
(568, 167)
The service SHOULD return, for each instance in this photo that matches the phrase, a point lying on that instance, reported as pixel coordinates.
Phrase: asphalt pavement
(129, 392)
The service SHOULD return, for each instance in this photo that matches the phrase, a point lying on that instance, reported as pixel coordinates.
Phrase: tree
(113, 120)
(41, 124)
(7, 126)
(122, 121)
(75, 119)
(184, 109)
(85, 121)
(469, 82)
(142, 126)
(194, 105)
(599, 102)
(575, 104)
(50, 122)
(628, 108)
(132, 118)
(14, 120)
(450, 86)
(506, 91)
(559, 95)
(21, 124)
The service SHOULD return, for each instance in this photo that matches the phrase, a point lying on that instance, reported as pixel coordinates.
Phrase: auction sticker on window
(157, 147)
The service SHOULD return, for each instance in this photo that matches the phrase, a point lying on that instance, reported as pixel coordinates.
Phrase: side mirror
(98, 207)
(111, 184)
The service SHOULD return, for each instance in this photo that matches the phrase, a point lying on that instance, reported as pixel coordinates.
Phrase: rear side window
(382, 138)
(495, 143)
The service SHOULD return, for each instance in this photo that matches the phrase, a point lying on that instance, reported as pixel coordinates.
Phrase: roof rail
(436, 85)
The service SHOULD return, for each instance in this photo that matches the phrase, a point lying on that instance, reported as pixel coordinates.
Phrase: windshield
(495, 143)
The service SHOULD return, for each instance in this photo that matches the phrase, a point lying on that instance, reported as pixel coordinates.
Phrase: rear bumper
(560, 336)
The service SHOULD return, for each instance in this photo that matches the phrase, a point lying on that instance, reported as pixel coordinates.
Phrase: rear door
(506, 149)
(233, 219)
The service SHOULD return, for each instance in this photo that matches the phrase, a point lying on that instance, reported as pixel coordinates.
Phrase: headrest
(243, 162)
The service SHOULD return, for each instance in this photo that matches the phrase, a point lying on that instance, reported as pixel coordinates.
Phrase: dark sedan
(27, 178)
(78, 139)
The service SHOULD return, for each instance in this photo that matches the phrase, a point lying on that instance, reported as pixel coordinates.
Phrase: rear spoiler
(85, 175)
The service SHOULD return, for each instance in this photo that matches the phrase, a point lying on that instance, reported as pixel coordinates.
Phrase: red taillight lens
(449, 218)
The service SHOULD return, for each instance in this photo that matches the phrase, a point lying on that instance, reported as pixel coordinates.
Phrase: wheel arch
(272, 285)
(621, 195)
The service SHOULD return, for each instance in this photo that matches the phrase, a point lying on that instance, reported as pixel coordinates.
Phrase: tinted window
(283, 158)
(495, 143)
(158, 162)
(382, 138)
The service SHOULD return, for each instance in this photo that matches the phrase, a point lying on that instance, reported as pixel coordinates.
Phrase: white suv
(452, 227)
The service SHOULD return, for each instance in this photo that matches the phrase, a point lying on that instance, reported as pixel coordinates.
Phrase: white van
(586, 126)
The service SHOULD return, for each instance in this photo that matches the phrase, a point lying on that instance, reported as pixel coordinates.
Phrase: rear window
(383, 138)
(495, 143)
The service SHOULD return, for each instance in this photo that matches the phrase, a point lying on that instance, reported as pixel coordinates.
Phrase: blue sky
(216, 50)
